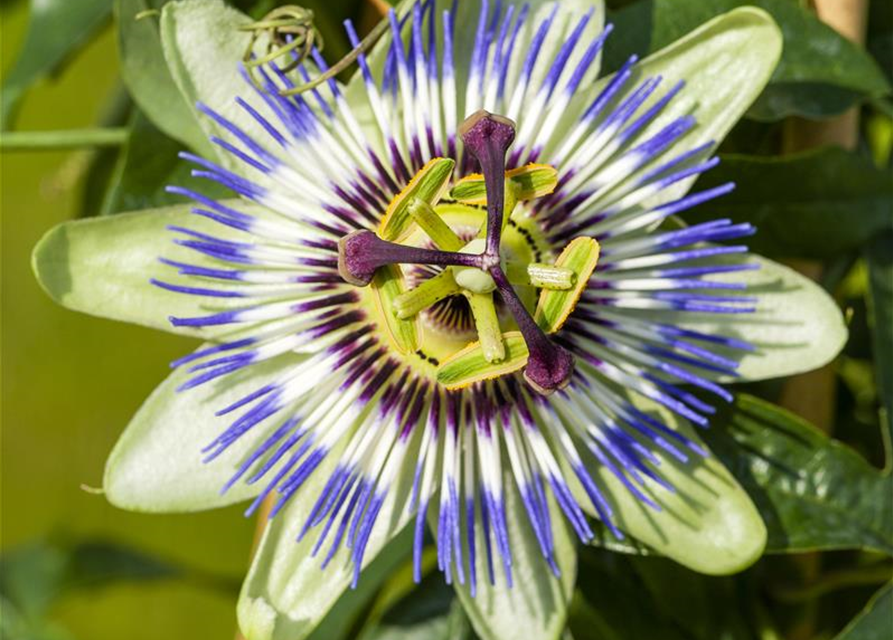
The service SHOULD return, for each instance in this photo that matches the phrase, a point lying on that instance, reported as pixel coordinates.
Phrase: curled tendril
(291, 33)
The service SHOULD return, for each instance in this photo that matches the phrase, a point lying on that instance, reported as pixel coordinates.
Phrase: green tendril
(291, 33)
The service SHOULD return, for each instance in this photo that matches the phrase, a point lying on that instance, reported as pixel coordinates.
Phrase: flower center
(496, 261)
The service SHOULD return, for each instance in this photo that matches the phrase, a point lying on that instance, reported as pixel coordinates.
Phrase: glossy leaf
(814, 493)
(430, 611)
(708, 524)
(875, 621)
(820, 72)
(286, 594)
(816, 204)
(536, 604)
(102, 266)
(56, 30)
(157, 463)
(625, 611)
(145, 72)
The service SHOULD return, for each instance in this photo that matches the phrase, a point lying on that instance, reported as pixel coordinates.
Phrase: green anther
(433, 225)
(547, 276)
(487, 324)
(532, 181)
(539, 275)
(431, 291)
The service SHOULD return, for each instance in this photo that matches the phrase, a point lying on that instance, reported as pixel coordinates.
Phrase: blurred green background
(71, 383)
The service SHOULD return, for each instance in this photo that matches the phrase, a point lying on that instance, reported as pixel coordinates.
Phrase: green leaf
(469, 365)
(37, 575)
(157, 464)
(702, 607)
(725, 64)
(875, 621)
(431, 611)
(879, 257)
(102, 266)
(814, 493)
(709, 524)
(627, 610)
(797, 326)
(816, 204)
(146, 74)
(57, 29)
(148, 165)
(286, 594)
(536, 604)
(555, 305)
(820, 73)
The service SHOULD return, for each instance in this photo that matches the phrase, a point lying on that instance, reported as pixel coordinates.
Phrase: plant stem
(62, 139)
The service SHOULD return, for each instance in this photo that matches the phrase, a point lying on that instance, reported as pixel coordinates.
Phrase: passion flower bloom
(453, 295)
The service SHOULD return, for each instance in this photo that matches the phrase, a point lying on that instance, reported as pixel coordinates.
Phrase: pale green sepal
(709, 524)
(536, 605)
(102, 266)
(797, 326)
(530, 181)
(157, 463)
(204, 47)
(555, 305)
(387, 288)
(286, 594)
(428, 185)
(470, 365)
(725, 65)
